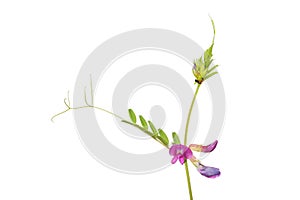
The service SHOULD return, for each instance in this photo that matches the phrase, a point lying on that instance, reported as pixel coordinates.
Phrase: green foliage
(212, 68)
(208, 56)
(163, 137)
(154, 130)
(158, 135)
(132, 115)
(143, 122)
(210, 75)
(176, 139)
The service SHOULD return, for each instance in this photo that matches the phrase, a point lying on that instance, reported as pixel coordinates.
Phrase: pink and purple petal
(181, 159)
(195, 147)
(173, 150)
(209, 172)
(210, 147)
(188, 154)
(174, 159)
(181, 152)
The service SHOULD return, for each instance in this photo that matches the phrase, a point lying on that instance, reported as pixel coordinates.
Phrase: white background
(42, 47)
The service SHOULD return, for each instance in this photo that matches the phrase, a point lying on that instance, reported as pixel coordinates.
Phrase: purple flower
(209, 172)
(180, 152)
(202, 148)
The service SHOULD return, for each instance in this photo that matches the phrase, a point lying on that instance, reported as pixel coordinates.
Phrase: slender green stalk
(185, 141)
(189, 115)
(145, 131)
(188, 179)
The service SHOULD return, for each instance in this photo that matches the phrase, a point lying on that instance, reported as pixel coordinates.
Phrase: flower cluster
(182, 153)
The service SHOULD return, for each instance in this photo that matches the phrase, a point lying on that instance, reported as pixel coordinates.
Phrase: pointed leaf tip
(176, 139)
(154, 130)
(210, 75)
(143, 122)
(132, 115)
(163, 137)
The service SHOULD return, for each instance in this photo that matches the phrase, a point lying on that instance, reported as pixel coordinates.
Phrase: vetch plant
(179, 151)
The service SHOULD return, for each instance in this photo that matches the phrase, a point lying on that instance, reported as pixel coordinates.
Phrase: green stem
(145, 131)
(188, 179)
(189, 115)
(185, 141)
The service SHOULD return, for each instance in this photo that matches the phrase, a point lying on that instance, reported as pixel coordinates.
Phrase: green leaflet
(212, 68)
(203, 71)
(132, 115)
(153, 128)
(208, 55)
(210, 75)
(143, 122)
(176, 139)
(163, 140)
(163, 137)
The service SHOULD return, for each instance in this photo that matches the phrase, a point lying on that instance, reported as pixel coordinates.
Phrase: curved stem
(185, 141)
(189, 115)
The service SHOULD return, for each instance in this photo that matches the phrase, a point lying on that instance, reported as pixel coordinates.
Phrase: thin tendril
(87, 106)
(214, 29)
(56, 115)
(85, 99)
(111, 113)
(92, 92)
(69, 98)
(68, 105)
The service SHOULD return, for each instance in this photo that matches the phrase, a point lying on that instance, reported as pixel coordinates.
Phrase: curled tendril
(87, 104)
